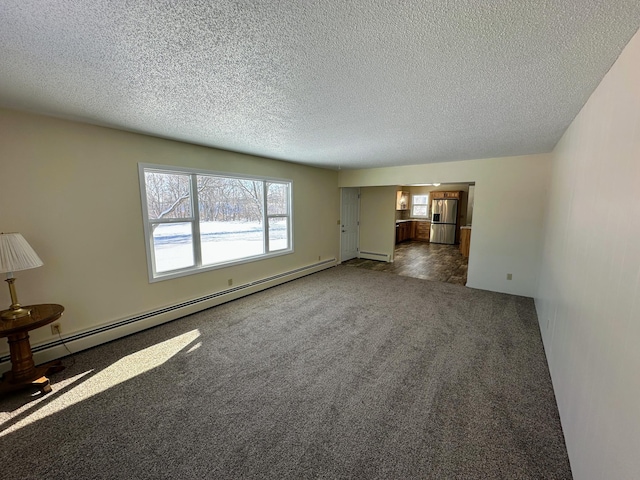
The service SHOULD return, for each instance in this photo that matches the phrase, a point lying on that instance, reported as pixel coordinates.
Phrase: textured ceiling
(330, 83)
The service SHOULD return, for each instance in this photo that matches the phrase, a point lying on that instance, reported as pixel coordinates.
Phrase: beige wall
(72, 190)
(510, 198)
(588, 300)
(377, 220)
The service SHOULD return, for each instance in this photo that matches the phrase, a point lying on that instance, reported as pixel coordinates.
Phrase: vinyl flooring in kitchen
(430, 261)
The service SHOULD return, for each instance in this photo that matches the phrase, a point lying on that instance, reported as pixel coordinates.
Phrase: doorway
(428, 261)
(349, 223)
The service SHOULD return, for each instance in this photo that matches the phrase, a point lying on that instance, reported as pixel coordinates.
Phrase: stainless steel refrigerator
(444, 216)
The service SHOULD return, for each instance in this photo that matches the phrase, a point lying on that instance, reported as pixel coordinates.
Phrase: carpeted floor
(347, 373)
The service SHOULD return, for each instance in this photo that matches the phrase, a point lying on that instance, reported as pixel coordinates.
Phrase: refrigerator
(444, 216)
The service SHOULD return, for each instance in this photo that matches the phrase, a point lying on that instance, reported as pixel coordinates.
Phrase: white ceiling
(331, 83)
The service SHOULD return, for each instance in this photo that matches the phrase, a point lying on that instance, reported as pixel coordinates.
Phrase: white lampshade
(16, 254)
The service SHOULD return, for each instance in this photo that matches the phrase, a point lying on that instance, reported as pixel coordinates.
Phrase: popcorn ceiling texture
(328, 83)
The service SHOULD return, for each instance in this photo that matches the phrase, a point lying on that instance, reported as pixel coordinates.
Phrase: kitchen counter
(413, 220)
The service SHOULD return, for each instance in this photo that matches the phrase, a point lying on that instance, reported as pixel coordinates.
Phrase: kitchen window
(420, 206)
(196, 220)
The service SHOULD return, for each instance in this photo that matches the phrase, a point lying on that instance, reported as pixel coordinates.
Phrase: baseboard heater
(384, 257)
(231, 294)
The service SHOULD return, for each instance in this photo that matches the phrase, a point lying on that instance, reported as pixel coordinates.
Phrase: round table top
(40, 315)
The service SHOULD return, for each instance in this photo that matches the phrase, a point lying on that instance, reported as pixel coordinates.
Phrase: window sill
(207, 268)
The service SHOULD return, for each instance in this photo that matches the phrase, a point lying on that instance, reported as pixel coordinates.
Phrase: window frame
(414, 204)
(194, 219)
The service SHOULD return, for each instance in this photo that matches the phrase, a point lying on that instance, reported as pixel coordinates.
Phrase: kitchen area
(433, 231)
(419, 230)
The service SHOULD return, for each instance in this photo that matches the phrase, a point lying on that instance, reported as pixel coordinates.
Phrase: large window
(197, 220)
(420, 206)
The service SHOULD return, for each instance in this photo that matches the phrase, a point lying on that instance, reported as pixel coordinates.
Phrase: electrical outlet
(56, 329)
(319, 257)
(509, 276)
(230, 281)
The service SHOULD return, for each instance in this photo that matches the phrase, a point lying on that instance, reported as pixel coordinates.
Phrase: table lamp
(15, 254)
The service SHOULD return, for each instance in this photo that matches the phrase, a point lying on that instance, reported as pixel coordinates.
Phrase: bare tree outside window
(168, 195)
(278, 198)
(231, 209)
(227, 219)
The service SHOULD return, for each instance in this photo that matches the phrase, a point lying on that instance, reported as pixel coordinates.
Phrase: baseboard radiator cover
(383, 257)
(95, 336)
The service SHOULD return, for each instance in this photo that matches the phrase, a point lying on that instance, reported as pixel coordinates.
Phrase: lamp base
(15, 313)
(15, 310)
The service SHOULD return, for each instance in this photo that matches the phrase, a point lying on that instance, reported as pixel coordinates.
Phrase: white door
(349, 216)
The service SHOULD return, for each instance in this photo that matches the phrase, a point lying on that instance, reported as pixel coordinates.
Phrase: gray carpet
(347, 373)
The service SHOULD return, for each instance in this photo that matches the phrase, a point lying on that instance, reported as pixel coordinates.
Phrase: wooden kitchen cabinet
(465, 241)
(405, 231)
(401, 232)
(412, 230)
(402, 200)
(442, 195)
(423, 229)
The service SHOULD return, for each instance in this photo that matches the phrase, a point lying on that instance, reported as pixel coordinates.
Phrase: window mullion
(265, 217)
(195, 222)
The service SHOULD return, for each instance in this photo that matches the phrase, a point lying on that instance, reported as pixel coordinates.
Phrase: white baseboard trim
(383, 257)
(95, 336)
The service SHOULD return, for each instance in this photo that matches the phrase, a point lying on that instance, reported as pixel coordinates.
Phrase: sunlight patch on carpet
(121, 371)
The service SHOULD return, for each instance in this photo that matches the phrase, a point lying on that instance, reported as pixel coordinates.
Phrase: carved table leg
(23, 372)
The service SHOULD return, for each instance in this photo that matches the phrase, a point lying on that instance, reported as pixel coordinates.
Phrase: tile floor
(430, 261)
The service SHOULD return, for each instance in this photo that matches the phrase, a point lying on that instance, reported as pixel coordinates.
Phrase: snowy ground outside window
(221, 242)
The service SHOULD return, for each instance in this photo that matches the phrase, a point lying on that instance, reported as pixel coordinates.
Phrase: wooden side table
(23, 372)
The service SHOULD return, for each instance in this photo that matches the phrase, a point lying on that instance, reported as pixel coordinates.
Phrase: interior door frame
(342, 216)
